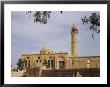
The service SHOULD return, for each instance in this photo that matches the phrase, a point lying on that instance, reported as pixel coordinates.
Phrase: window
(28, 64)
(38, 57)
(72, 61)
(27, 57)
(36, 61)
(48, 63)
(29, 60)
(40, 61)
(52, 63)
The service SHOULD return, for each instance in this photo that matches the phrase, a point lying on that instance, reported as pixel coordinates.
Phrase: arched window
(38, 57)
(40, 61)
(26, 63)
(27, 57)
(36, 61)
(29, 64)
(73, 61)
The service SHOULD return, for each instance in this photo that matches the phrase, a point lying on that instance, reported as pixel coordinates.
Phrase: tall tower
(74, 33)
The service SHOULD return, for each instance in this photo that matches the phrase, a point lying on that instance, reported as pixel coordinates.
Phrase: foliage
(20, 64)
(45, 62)
(40, 16)
(94, 21)
(14, 69)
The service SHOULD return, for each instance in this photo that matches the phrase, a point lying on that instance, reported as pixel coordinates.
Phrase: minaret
(74, 33)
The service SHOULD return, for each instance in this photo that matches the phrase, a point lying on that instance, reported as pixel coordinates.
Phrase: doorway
(61, 64)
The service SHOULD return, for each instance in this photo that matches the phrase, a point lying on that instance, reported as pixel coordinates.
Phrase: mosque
(49, 60)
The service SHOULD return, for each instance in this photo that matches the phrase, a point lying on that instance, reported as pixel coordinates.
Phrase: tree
(94, 21)
(40, 16)
(45, 62)
(20, 64)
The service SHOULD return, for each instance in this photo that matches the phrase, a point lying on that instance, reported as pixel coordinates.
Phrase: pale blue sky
(29, 37)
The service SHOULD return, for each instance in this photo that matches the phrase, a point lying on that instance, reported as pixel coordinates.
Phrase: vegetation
(20, 64)
(93, 20)
(40, 16)
(45, 62)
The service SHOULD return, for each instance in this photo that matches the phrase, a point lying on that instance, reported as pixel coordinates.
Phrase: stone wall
(92, 72)
(84, 62)
(17, 74)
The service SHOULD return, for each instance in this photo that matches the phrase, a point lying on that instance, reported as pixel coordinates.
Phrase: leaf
(98, 31)
(93, 36)
(61, 12)
(91, 27)
(82, 20)
(34, 20)
(48, 15)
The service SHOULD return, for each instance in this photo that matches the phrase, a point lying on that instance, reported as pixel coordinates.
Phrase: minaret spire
(74, 33)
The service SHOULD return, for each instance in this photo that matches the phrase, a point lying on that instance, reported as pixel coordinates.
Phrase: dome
(62, 51)
(46, 50)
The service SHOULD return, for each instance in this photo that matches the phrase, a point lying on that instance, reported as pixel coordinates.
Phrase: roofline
(36, 54)
(82, 56)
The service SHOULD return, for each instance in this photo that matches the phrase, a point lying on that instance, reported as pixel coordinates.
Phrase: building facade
(48, 59)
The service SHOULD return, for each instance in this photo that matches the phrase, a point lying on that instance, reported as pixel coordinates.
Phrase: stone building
(48, 59)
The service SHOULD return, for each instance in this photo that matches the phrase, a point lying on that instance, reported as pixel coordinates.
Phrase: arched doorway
(61, 62)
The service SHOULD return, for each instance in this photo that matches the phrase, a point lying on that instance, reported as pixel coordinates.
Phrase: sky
(28, 37)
